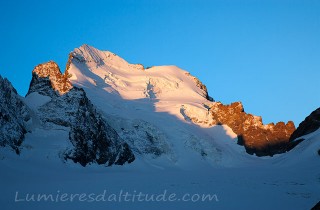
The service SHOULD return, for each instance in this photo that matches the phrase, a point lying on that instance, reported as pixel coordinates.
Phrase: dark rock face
(252, 133)
(93, 139)
(316, 207)
(13, 116)
(309, 125)
(41, 85)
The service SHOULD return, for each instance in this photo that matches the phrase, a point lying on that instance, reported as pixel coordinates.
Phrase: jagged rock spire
(47, 80)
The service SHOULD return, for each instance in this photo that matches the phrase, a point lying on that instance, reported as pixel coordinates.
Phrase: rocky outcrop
(48, 80)
(93, 140)
(13, 116)
(309, 125)
(257, 138)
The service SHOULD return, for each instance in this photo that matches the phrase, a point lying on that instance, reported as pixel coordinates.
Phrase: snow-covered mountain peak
(103, 69)
(90, 55)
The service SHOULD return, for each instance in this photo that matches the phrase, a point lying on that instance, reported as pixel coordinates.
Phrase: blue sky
(265, 53)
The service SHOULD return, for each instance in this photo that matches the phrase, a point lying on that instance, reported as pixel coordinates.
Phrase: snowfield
(179, 164)
(288, 181)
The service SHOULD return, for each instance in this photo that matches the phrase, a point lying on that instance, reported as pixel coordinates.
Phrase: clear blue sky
(265, 53)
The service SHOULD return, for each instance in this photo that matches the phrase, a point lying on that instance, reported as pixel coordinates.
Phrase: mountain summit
(101, 68)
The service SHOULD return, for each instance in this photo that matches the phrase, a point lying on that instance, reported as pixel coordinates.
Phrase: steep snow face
(149, 108)
(14, 116)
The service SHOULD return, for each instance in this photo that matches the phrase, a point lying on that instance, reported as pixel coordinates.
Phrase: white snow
(289, 181)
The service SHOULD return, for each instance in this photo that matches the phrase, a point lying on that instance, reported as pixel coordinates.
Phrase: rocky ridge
(93, 139)
(309, 125)
(256, 137)
(14, 115)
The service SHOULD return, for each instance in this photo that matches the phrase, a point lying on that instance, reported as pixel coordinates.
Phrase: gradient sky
(265, 53)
